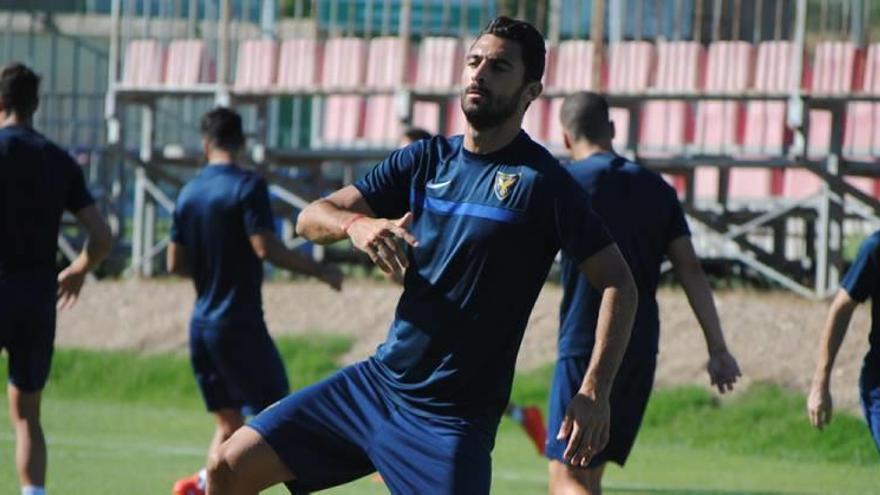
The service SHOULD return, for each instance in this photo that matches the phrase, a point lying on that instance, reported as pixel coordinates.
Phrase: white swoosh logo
(438, 185)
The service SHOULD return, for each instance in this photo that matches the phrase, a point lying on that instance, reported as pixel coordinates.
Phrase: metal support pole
(137, 231)
(597, 33)
(223, 42)
(615, 21)
(554, 20)
(149, 237)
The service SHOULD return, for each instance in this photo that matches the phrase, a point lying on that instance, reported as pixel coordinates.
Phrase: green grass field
(123, 423)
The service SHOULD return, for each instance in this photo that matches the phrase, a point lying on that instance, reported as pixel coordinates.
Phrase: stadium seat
(834, 73)
(187, 65)
(343, 69)
(144, 64)
(299, 64)
(862, 133)
(256, 65)
(667, 125)
(384, 71)
(438, 69)
(629, 71)
(572, 70)
(534, 122)
(718, 123)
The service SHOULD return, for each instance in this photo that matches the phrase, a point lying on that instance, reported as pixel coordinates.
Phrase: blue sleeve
(254, 195)
(678, 225)
(860, 281)
(387, 187)
(578, 230)
(176, 232)
(78, 195)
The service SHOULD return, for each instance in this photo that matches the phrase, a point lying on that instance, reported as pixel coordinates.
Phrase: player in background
(644, 217)
(223, 231)
(475, 221)
(39, 182)
(861, 282)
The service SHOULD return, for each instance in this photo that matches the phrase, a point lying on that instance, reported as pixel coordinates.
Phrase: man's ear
(534, 90)
(612, 129)
(566, 138)
(206, 147)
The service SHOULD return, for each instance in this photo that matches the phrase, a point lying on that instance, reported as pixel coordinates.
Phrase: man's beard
(492, 112)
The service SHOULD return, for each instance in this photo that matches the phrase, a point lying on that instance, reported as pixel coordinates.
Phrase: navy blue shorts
(347, 426)
(237, 367)
(629, 397)
(869, 390)
(27, 329)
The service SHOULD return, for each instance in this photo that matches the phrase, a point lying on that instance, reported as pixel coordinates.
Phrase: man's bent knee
(244, 464)
(570, 480)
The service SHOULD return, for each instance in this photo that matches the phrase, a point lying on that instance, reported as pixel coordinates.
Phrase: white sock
(203, 478)
(33, 490)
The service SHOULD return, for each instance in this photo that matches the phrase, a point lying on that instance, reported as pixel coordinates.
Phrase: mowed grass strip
(124, 421)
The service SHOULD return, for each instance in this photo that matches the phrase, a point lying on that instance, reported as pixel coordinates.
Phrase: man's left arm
(587, 419)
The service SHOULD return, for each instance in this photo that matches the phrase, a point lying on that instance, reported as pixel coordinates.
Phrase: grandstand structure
(764, 114)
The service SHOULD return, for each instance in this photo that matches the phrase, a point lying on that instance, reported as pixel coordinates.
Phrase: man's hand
(332, 276)
(723, 370)
(70, 282)
(819, 404)
(586, 426)
(384, 241)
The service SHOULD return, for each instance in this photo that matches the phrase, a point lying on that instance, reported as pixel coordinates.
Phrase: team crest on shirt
(504, 184)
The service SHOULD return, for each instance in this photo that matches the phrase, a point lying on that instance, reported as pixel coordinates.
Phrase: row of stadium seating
(359, 77)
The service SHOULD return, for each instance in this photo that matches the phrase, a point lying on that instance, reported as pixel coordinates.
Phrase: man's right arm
(97, 247)
(345, 213)
(819, 405)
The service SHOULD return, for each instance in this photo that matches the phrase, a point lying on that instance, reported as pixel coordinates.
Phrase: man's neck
(12, 119)
(217, 157)
(485, 141)
(585, 149)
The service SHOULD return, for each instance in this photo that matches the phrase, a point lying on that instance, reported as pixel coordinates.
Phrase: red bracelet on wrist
(348, 223)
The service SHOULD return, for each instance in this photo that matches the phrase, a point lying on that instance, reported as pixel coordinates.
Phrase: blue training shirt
(489, 227)
(643, 214)
(38, 181)
(862, 282)
(216, 213)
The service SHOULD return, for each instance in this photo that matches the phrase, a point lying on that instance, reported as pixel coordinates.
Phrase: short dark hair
(531, 42)
(19, 89)
(414, 134)
(585, 116)
(222, 128)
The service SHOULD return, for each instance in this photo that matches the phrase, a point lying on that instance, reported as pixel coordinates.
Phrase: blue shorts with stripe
(27, 327)
(237, 367)
(348, 426)
(629, 398)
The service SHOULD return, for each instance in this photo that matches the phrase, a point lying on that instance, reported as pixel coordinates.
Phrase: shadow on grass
(691, 491)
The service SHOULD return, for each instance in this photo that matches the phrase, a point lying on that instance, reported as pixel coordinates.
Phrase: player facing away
(644, 216)
(476, 220)
(223, 230)
(38, 182)
(860, 283)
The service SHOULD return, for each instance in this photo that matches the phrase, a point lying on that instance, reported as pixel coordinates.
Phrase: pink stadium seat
(144, 64)
(186, 64)
(862, 134)
(343, 70)
(666, 125)
(299, 64)
(629, 71)
(718, 125)
(385, 71)
(438, 69)
(256, 64)
(534, 120)
(572, 70)
(834, 69)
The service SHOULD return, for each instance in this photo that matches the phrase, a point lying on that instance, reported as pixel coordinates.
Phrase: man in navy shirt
(475, 221)
(223, 230)
(38, 182)
(861, 282)
(644, 216)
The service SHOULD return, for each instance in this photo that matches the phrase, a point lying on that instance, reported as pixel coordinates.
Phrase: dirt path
(773, 334)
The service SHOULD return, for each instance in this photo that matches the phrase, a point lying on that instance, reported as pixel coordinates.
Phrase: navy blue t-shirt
(862, 282)
(38, 181)
(643, 215)
(216, 213)
(489, 227)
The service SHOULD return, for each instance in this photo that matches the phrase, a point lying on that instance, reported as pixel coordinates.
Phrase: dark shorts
(237, 367)
(27, 329)
(629, 397)
(869, 391)
(347, 426)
